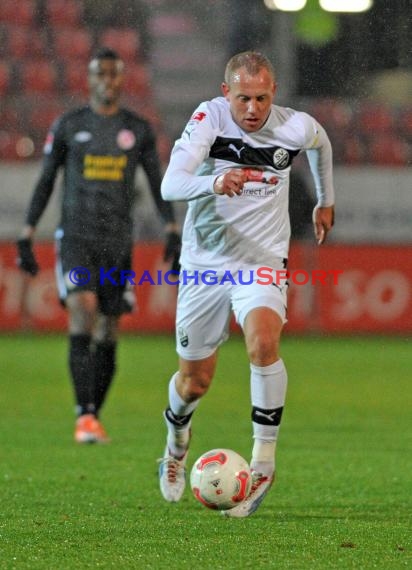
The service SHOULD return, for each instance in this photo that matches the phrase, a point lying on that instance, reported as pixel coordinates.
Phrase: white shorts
(204, 310)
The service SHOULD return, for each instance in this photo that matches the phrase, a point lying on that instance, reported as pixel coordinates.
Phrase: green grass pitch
(343, 496)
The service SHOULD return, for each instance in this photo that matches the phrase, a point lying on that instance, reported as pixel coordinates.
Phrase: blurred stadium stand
(44, 49)
(364, 132)
(175, 52)
(63, 13)
(45, 46)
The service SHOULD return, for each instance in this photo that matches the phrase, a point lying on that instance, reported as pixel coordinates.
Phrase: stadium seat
(353, 152)
(64, 13)
(5, 77)
(75, 78)
(144, 107)
(72, 43)
(137, 80)
(172, 24)
(332, 114)
(373, 119)
(13, 116)
(38, 76)
(389, 150)
(18, 12)
(23, 42)
(124, 40)
(42, 114)
(404, 124)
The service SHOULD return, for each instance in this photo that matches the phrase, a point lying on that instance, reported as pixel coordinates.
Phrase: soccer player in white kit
(232, 166)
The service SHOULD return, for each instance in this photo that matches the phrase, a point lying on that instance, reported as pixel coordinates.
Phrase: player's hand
(25, 258)
(231, 182)
(258, 175)
(172, 250)
(323, 220)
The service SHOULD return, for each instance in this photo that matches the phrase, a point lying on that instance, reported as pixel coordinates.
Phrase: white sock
(263, 457)
(179, 421)
(268, 393)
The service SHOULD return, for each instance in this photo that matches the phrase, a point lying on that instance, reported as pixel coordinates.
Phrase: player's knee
(82, 312)
(105, 329)
(262, 331)
(263, 349)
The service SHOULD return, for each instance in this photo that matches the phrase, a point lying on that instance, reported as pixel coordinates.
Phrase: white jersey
(251, 229)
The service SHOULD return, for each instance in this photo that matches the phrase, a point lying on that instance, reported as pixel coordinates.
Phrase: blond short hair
(252, 61)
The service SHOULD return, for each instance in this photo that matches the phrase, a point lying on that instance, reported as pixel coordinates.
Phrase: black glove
(172, 250)
(26, 260)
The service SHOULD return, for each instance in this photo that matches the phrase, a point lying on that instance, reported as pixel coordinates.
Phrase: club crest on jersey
(126, 139)
(83, 136)
(280, 158)
(183, 336)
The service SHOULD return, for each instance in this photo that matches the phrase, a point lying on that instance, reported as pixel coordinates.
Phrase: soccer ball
(220, 479)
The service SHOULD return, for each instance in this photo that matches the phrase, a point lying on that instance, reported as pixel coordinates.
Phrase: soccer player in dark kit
(99, 146)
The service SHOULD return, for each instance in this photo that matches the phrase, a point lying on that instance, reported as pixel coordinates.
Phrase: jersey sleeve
(54, 154)
(151, 165)
(181, 181)
(319, 152)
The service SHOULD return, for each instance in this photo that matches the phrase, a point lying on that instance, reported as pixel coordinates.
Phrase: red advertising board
(374, 290)
(32, 303)
(333, 289)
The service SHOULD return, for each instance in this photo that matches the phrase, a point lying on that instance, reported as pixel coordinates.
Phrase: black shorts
(101, 267)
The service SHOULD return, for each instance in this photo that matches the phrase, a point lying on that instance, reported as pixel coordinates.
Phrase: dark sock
(81, 369)
(104, 369)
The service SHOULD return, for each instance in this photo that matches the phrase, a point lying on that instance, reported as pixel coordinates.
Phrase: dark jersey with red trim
(100, 155)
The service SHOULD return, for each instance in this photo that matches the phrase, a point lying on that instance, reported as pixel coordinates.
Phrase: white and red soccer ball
(220, 479)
